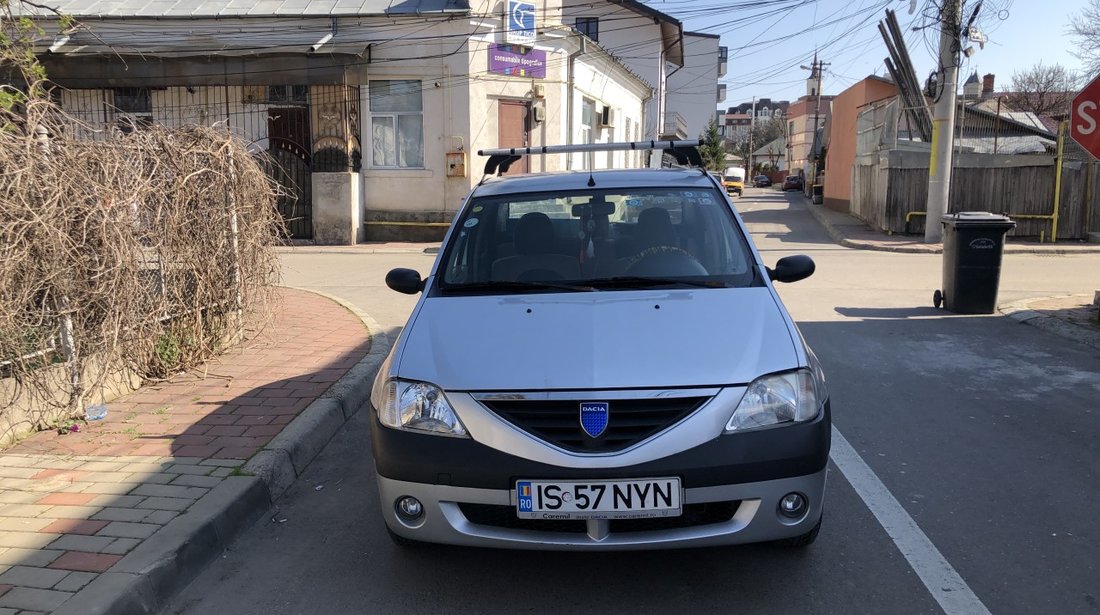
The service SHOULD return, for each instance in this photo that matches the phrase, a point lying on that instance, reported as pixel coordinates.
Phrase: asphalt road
(984, 431)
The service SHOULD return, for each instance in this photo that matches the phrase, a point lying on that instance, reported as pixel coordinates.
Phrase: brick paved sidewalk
(73, 505)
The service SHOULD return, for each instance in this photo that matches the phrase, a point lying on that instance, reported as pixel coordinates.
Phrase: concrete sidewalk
(849, 231)
(1074, 317)
(116, 517)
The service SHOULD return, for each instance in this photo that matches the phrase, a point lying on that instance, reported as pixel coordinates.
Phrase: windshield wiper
(628, 281)
(505, 285)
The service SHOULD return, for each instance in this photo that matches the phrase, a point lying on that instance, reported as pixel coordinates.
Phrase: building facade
(842, 134)
(693, 89)
(372, 117)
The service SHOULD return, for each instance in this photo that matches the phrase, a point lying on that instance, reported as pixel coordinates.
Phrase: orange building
(841, 137)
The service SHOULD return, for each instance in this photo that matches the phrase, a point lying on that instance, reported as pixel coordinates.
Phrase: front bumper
(756, 518)
(746, 472)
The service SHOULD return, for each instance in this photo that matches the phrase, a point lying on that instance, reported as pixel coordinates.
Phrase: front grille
(494, 515)
(694, 515)
(630, 420)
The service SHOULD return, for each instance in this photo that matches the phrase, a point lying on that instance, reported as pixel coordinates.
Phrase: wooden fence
(889, 187)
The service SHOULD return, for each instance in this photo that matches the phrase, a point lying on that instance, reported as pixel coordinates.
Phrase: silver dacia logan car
(598, 360)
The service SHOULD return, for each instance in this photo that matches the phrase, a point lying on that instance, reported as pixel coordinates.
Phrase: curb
(1021, 312)
(142, 582)
(841, 238)
(352, 250)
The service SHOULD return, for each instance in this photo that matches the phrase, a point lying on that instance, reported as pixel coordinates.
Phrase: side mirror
(792, 268)
(405, 281)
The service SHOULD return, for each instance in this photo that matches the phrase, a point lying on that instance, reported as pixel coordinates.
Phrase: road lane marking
(948, 588)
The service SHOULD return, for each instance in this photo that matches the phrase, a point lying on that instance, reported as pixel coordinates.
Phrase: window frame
(395, 118)
(590, 28)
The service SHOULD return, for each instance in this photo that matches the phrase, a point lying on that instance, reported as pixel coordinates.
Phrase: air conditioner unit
(607, 117)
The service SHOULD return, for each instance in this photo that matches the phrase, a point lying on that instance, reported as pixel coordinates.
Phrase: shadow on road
(895, 312)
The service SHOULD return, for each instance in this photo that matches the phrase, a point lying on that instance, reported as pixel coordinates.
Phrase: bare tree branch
(1085, 27)
(1045, 90)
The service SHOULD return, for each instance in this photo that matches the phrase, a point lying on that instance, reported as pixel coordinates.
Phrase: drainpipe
(581, 50)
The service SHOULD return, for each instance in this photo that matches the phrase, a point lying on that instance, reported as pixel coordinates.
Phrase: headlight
(417, 406)
(789, 397)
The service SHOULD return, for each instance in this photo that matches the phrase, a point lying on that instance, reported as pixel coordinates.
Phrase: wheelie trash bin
(973, 243)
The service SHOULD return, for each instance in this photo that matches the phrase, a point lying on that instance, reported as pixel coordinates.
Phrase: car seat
(535, 259)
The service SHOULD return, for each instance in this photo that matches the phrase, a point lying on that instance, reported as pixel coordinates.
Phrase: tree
(713, 149)
(1085, 27)
(1042, 89)
(762, 133)
(25, 76)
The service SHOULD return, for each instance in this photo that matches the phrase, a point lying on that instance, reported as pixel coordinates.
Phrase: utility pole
(816, 68)
(752, 125)
(943, 121)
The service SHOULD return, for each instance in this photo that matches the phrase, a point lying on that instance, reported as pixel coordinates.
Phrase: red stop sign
(1084, 121)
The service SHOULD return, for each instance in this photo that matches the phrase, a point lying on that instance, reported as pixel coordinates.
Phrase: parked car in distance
(599, 360)
(792, 182)
(761, 181)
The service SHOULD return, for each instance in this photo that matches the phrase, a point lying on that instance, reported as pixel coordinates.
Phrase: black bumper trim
(769, 454)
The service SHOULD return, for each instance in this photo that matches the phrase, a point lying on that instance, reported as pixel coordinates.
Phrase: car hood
(597, 340)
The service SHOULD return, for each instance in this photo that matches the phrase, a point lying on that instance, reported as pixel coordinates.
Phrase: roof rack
(500, 159)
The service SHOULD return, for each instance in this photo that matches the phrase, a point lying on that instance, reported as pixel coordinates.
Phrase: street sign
(521, 23)
(1084, 121)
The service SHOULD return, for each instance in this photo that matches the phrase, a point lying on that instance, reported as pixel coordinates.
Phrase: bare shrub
(148, 250)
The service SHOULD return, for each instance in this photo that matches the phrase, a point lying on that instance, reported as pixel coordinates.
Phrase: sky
(769, 39)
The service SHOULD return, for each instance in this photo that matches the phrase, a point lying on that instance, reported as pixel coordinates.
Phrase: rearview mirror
(405, 281)
(596, 208)
(792, 268)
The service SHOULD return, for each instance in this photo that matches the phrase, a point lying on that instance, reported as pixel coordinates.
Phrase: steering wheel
(665, 261)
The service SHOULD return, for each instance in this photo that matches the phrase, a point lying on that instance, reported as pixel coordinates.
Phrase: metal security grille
(630, 420)
(288, 144)
(298, 130)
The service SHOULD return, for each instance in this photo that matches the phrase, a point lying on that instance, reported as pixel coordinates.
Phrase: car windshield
(595, 240)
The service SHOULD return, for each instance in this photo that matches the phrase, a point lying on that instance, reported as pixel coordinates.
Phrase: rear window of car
(595, 236)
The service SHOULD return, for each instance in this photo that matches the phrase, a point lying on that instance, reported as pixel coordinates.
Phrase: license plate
(621, 499)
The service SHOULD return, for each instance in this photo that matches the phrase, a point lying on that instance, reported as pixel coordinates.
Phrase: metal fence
(302, 128)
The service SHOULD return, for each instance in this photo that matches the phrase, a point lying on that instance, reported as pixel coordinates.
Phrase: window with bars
(135, 109)
(288, 94)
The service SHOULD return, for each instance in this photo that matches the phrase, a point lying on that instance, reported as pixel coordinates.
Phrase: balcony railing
(674, 126)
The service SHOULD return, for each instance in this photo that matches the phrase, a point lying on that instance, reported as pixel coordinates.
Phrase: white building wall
(634, 39)
(594, 80)
(693, 89)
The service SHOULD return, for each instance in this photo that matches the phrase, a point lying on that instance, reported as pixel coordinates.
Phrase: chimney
(987, 85)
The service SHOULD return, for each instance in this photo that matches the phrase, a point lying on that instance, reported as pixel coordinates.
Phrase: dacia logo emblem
(594, 415)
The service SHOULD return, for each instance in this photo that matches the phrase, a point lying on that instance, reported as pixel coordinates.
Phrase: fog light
(793, 505)
(409, 508)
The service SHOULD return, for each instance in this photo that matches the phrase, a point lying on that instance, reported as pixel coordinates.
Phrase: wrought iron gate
(289, 146)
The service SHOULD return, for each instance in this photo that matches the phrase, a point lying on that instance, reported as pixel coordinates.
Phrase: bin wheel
(937, 299)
